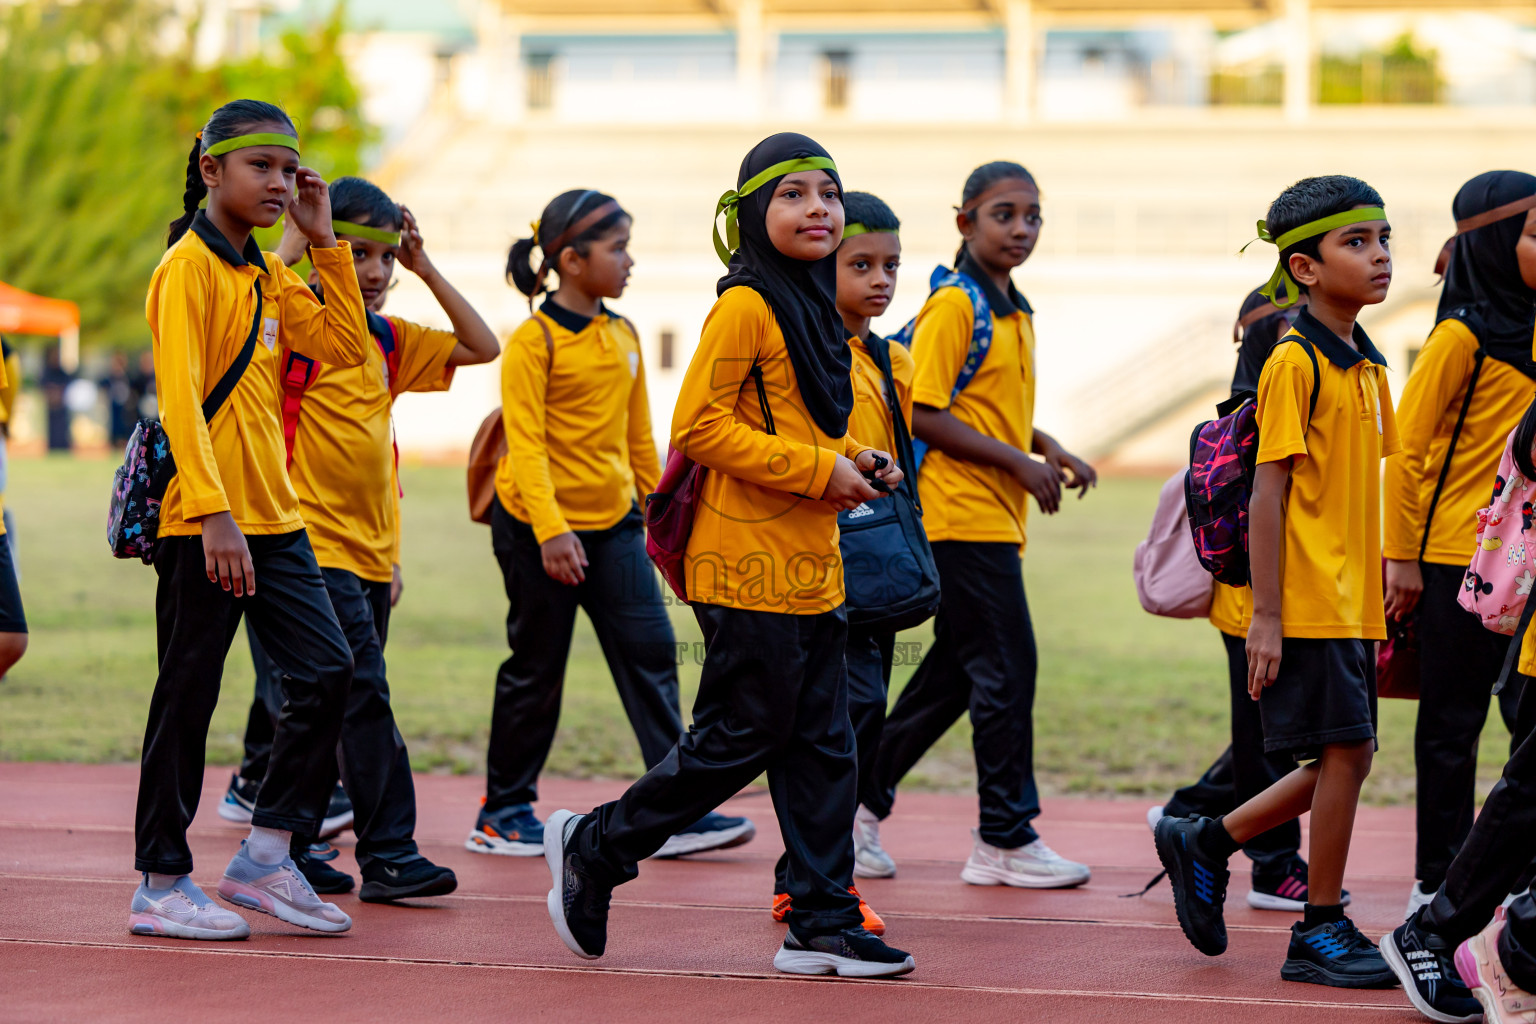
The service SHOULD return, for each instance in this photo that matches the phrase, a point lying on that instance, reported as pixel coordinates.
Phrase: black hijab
(1483, 287)
(801, 295)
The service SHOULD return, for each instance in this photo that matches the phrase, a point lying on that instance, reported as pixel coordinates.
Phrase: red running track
(689, 940)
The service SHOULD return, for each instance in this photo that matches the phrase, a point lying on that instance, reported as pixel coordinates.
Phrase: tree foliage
(99, 103)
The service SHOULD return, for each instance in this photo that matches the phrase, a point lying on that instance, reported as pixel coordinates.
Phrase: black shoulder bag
(889, 576)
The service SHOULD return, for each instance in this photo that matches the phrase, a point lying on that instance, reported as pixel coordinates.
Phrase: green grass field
(1128, 703)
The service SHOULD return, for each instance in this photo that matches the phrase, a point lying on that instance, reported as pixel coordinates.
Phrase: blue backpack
(981, 339)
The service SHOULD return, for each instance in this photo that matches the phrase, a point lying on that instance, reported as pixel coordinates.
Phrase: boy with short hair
(1315, 564)
(342, 464)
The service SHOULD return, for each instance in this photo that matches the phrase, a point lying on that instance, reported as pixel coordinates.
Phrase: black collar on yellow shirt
(1332, 346)
(573, 322)
(214, 239)
(1002, 305)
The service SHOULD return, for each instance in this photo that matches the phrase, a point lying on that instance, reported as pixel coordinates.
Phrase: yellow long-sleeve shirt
(763, 540)
(580, 453)
(1426, 417)
(201, 302)
(343, 467)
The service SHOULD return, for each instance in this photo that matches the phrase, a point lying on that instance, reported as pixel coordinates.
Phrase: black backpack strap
(1445, 467)
(226, 385)
(1317, 376)
(756, 374)
(880, 350)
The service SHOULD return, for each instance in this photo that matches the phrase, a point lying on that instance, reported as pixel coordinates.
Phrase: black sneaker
(338, 815)
(1199, 883)
(385, 881)
(323, 851)
(1283, 887)
(578, 906)
(851, 953)
(320, 875)
(1424, 963)
(239, 801)
(1335, 953)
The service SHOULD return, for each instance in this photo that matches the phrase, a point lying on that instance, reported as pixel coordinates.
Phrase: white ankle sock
(268, 845)
(159, 883)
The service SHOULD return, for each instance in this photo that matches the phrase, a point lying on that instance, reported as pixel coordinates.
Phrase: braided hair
(235, 118)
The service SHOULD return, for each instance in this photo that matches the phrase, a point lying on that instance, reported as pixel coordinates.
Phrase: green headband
(850, 230)
(1282, 274)
(247, 141)
(731, 200)
(344, 227)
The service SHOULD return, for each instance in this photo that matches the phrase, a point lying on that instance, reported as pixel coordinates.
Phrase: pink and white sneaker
(280, 890)
(182, 912)
(1477, 961)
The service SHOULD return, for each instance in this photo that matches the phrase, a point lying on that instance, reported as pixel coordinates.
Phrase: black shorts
(1325, 693)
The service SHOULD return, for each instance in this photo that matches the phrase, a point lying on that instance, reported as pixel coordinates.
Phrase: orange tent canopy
(24, 313)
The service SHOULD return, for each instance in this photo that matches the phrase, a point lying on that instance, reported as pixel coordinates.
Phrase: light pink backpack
(1499, 578)
(1170, 581)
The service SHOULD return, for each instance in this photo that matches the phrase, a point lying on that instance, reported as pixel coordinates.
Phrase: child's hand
(226, 556)
(1405, 582)
(1040, 479)
(564, 559)
(847, 488)
(413, 254)
(310, 210)
(396, 585)
(1263, 652)
(1075, 474)
(889, 474)
(291, 247)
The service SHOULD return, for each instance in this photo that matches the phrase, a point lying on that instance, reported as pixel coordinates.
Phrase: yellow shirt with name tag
(1330, 552)
(580, 452)
(343, 466)
(200, 308)
(763, 540)
(968, 500)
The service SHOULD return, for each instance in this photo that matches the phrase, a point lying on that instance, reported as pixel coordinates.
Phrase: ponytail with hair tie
(578, 228)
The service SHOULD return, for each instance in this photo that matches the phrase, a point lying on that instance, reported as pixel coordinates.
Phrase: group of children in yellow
(793, 416)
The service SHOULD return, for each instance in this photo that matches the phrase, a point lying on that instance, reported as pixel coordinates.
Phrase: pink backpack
(1503, 567)
(1170, 580)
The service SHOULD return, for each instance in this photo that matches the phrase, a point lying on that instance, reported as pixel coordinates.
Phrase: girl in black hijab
(802, 295)
(763, 413)
(1466, 392)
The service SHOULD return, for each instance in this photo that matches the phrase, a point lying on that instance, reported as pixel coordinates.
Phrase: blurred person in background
(55, 382)
(120, 406)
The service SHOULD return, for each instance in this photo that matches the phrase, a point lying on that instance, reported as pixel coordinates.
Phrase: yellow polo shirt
(966, 500)
(763, 540)
(343, 466)
(1330, 552)
(580, 453)
(1426, 417)
(1231, 608)
(870, 420)
(200, 306)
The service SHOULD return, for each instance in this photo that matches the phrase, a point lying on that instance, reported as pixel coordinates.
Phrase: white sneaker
(869, 858)
(1417, 898)
(1154, 815)
(1035, 866)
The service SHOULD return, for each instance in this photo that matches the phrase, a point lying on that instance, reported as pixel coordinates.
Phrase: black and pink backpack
(1222, 455)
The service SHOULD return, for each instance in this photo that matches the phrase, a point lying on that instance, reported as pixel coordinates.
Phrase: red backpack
(299, 373)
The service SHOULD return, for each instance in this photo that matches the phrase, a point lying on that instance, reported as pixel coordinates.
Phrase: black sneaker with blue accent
(714, 831)
(1335, 953)
(1199, 882)
(1424, 963)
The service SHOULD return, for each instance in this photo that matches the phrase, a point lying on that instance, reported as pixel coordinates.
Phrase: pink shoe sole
(149, 924)
(251, 898)
(1466, 966)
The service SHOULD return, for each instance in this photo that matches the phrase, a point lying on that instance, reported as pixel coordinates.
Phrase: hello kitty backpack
(1503, 567)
